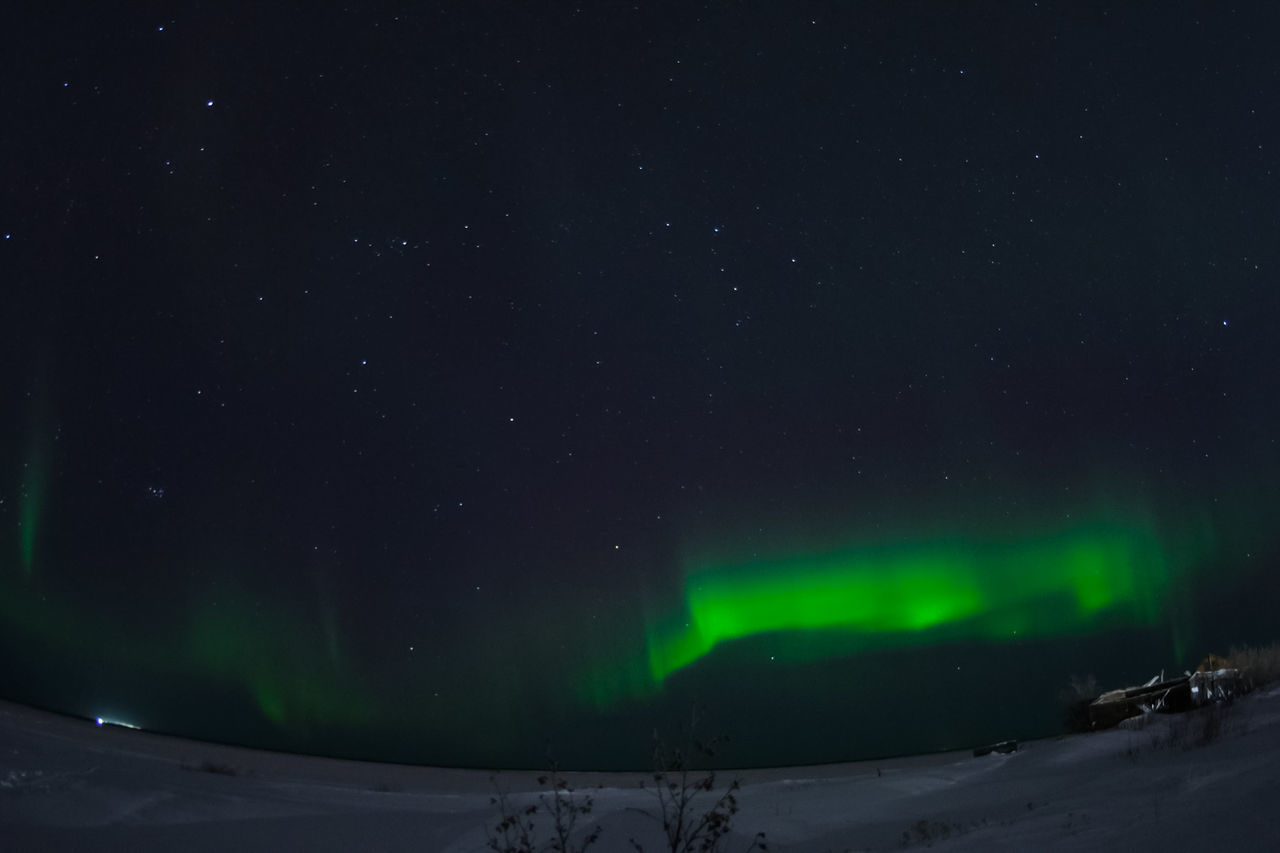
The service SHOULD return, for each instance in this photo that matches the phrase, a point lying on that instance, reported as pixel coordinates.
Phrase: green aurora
(31, 493)
(1047, 582)
(32, 499)
(1086, 574)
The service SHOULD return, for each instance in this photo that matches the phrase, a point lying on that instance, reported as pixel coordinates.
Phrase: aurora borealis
(447, 385)
(990, 591)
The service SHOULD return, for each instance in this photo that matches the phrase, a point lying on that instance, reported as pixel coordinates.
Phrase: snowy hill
(1207, 777)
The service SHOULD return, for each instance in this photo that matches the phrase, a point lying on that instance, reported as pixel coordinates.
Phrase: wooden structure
(1170, 696)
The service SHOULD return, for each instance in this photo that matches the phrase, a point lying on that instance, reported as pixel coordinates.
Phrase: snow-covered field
(71, 785)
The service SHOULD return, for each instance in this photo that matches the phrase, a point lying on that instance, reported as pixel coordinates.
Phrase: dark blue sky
(376, 378)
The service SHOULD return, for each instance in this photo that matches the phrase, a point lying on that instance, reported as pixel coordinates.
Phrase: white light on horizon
(104, 721)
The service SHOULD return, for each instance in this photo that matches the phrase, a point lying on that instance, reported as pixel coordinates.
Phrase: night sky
(452, 383)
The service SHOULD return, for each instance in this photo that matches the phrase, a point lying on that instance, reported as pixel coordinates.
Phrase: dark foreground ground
(1207, 778)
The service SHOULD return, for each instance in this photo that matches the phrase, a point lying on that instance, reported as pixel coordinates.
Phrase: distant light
(103, 721)
(208, 103)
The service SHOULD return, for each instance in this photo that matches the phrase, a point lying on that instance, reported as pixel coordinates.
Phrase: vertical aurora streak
(31, 505)
(28, 521)
(288, 661)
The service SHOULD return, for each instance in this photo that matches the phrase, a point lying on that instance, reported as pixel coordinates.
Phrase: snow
(70, 784)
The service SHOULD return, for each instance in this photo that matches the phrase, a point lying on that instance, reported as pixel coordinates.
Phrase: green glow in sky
(29, 519)
(31, 502)
(297, 677)
(33, 487)
(1046, 584)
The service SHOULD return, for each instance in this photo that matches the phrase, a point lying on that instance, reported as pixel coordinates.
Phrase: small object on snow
(1004, 747)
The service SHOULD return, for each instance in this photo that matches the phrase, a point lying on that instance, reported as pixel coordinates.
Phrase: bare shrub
(1076, 698)
(927, 832)
(1203, 727)
(1258, 665)
(687, 827)
(517, 828)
